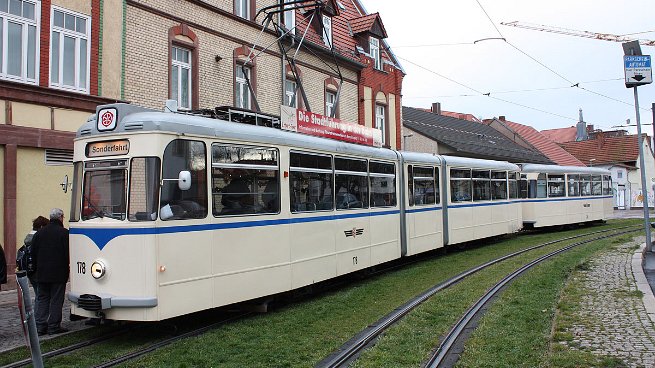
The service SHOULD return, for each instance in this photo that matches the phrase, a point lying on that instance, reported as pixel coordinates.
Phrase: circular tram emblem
(107, 119)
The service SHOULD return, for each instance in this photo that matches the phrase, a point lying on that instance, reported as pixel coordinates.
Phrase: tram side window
(498, 185)
(542, 186)
(410, 184)
(350, 183)
(513, 185)
(481, 185)
(144, 189)
(310, 182)
(460, 185)
(574, 185)
(177, 204)
(556, 186)
(424, 188)
(607, 185)
(524, 188)
(75, 192)
(245, 180)
(596, 185)
(383, 184)
(585, 185)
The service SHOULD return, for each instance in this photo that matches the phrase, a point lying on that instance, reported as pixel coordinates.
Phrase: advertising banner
(311, 123)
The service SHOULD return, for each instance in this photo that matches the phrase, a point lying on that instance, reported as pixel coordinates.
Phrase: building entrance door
(620, 198)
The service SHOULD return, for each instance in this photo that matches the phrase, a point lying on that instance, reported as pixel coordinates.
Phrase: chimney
(590, 128)
(600, 137)
(501, 118)
(436, 108)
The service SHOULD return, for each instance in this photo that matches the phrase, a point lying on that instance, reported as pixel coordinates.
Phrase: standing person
(50, 247)
(3, 267)
(37, 224)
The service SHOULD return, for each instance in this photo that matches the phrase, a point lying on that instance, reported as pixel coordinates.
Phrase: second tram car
(175, 213)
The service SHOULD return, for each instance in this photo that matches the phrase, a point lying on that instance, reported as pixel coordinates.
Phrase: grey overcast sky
(434, 39)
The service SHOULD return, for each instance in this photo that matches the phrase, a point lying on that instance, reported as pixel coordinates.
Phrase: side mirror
(184, 180)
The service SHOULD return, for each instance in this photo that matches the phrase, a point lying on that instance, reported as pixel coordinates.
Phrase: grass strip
(303, 333)
(516, 331)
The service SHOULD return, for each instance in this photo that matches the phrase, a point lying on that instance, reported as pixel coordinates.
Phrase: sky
(529, 76)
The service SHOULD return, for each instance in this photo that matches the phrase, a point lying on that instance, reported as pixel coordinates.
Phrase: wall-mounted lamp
(218, 58)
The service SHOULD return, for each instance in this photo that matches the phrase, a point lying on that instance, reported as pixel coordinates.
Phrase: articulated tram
(174, 213)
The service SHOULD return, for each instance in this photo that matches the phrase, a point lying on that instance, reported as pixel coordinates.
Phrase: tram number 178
(81, 267)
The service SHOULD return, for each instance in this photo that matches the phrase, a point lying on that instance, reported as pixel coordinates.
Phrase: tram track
(366, 338)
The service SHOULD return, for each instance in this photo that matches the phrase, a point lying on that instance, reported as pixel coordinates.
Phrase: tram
(174, 213)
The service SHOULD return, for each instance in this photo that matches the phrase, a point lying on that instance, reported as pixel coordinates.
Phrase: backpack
(25, 259)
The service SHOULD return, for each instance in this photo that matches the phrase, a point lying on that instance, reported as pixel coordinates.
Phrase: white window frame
(291, 95)
(180, 65)
(242, 8)
(290, 18)
(63, 32)
(241, 85)
(6, 17)
(329, 102)
(327, 30)
(374, 45)
(380, 120)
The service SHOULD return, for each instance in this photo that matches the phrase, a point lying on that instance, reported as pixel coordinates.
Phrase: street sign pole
(638, 72)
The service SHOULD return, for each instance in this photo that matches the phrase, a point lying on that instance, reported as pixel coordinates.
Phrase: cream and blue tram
(174, 213)
(559, 195)
(481, 199)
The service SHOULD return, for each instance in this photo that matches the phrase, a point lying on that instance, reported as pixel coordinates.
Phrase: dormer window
(327, 31)
(374, 47)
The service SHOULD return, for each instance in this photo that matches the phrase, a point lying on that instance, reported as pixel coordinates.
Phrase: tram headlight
(98, 269)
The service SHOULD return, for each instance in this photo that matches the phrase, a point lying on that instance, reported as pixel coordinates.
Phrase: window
(104, 191)
(380, 121)
(596, 185)
(181, 77)
(350, 183)
(177, 204)
(291, 99)
(525, 190)
(242, 8)
(241, 86)
(574, 185)
(327, 31)
(76, 192)
(460, 185)
(514, 185)
(481, 185)
(556, 186)
(374, 45)
(330, 100)
(290, 18)
(144, 189)
(585, 185)
(498, 185)
(607, 185)
(425, 192)
(383, 184)
(619, 174)
(542, 186)
(245, 180)
(19, 35)
(69, 56)
(310, 182)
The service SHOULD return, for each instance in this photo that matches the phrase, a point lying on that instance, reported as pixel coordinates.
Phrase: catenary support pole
(642, 169)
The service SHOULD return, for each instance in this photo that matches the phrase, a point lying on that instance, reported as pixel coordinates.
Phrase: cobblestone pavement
(11, 331)
(620, 316)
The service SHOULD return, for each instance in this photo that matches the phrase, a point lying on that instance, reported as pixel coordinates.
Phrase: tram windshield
(104, 190)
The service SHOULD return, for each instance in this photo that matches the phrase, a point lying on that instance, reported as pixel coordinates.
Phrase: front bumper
(99, 302)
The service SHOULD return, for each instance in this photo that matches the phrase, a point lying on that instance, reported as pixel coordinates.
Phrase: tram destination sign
(307, 122)
(638, 70)
(108, 148)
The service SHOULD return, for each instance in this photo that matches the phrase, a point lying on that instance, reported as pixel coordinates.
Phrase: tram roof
(554, 169)
(133, 119)
(479, 163)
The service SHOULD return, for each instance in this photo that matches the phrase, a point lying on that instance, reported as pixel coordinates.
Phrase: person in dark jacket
(3, 267)
(50, 247)
(37, 224)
